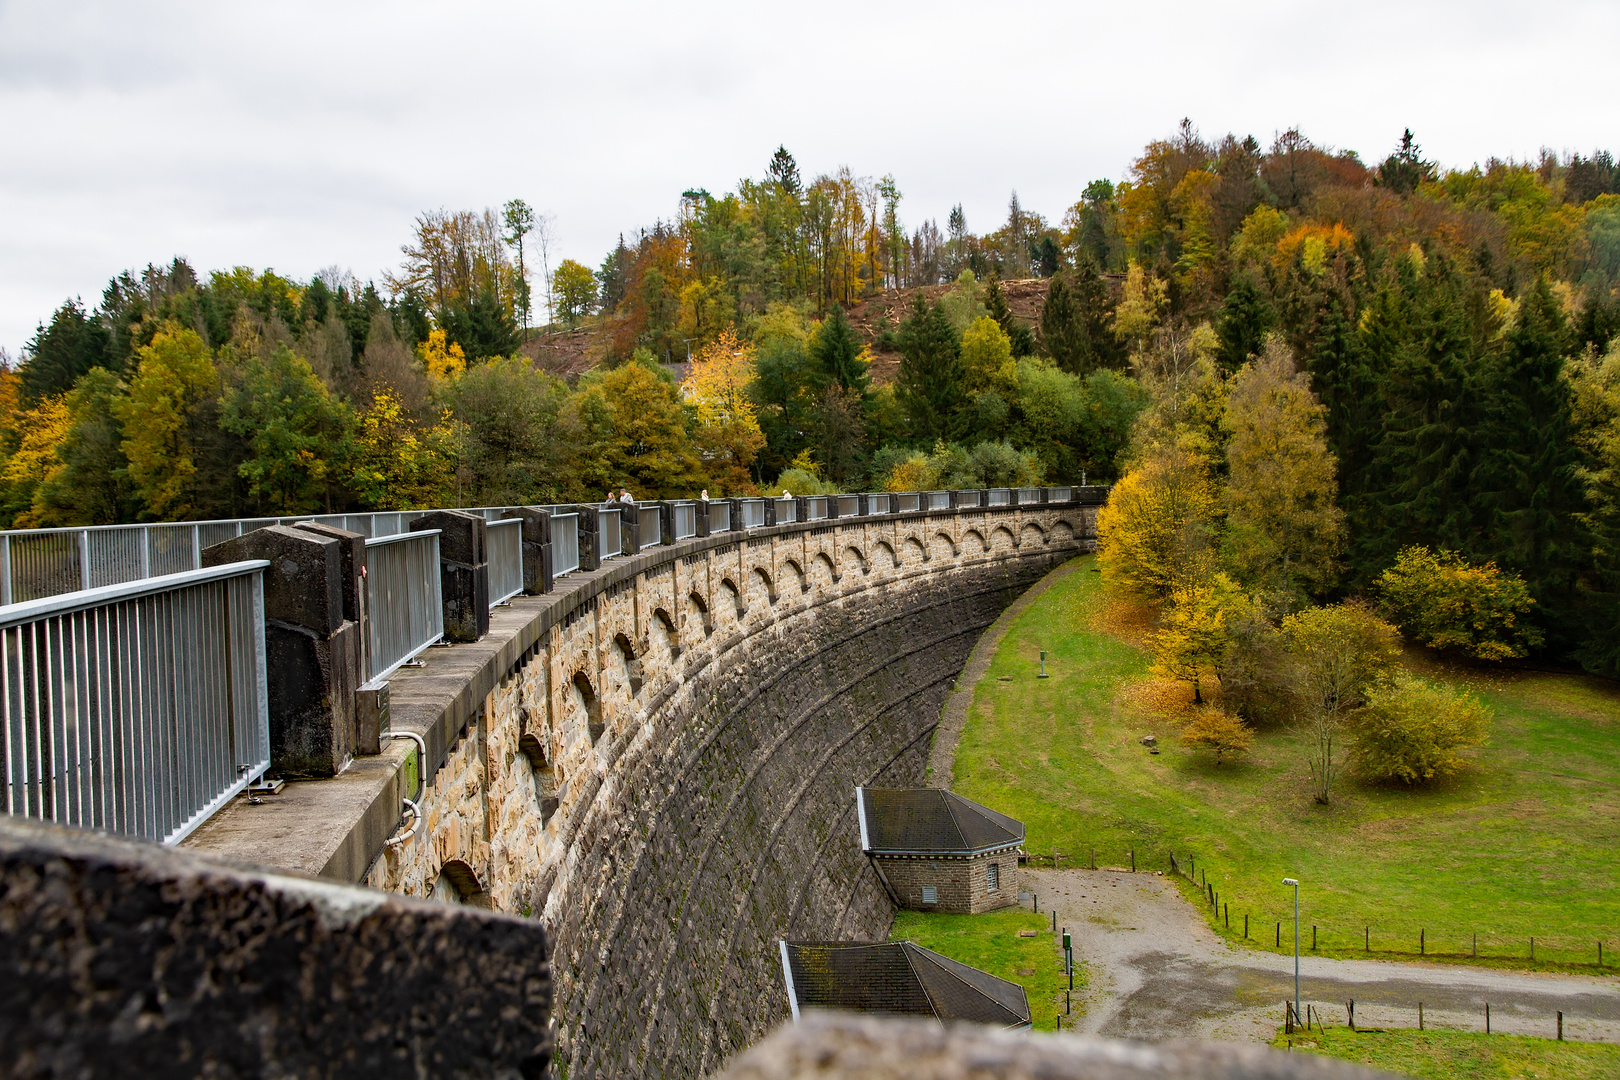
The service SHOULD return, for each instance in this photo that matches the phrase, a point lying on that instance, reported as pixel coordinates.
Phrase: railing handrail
(394, 538)
(67, 603)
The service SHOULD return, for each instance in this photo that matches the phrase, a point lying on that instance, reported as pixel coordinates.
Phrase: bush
(1413, 731)
(801, 482)
(1257, 677)
(1219, 731)
(1445, 602)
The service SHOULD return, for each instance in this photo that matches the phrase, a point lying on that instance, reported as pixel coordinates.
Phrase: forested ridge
(1444, 333)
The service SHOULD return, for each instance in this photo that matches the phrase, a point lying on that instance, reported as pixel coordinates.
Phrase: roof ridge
(950, 808)
(911, 965)
(948, 970)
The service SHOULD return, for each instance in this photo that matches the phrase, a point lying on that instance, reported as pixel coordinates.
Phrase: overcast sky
(303, 135)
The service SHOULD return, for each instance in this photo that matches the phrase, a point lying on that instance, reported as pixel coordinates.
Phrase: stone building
(897, 978)
(936, 851)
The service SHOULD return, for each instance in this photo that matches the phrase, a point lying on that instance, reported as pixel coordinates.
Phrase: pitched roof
(930, 820)
(897, 978)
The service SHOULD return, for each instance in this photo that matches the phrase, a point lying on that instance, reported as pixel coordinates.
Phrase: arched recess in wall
(825, 574)
(797, 574)
(886, 556)
(760, 587)
(628, 661)
(1062, 532)
(853, 556)
(915, 553)
(590, 705)
(663, 632)
(545, 777)
(697, 615)
(732, 597)
(944, 546)
(1002, 539)
(973, 543)
(1031, 533)
(457, 883)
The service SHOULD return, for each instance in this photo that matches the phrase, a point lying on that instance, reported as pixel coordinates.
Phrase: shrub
(1192, 641)
(1414, 731)
(1219, 731)
(1445, 602)
(1257, 673)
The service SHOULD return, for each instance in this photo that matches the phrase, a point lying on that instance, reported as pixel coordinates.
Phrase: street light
(1295, 884)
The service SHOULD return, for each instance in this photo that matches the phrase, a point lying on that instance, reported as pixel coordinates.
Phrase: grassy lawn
(1523, 845)
(1444, 1055)
(990, 942)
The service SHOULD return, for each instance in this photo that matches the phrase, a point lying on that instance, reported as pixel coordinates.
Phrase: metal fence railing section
(505, 560)
(564, 544)
(138, 708)
(404, 598)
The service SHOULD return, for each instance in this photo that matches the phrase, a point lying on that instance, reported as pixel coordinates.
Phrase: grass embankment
(1445, 1055)
(1522, 845)
(990, 942)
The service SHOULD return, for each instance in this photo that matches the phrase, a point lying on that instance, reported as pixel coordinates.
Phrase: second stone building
(936, 851)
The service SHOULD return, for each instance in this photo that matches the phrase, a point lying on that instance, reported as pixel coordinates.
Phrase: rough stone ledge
(121, 958)
(841, 1046)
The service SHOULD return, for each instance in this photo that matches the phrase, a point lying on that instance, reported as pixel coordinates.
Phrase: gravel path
(1158, 971)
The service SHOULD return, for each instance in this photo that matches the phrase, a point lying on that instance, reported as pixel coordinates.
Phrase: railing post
(5, 570)
(312, 651)
(536, 548)
(146, 551)
(463, 571)
(590, 537)
(352, 561)
(196, 547)
(84, 558)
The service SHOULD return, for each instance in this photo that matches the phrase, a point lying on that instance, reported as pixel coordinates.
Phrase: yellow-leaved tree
(1153, 534)
(399, 464)
(728, 434)
(174, 376)
(987, 360)
(1193, 638)
(43, 430)
(442, 359)
(1284, 530)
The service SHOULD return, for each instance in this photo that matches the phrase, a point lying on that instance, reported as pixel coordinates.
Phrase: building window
(992, 877)
(930, 894)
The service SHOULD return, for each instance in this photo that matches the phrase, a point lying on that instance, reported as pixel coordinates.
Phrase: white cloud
(299, 135)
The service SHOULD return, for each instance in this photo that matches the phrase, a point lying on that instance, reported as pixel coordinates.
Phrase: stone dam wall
(658, 761)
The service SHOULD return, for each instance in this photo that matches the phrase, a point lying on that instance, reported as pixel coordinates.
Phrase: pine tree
(1076, 330)
(838, 355)
(931, 375)
(1245, 319)
(72, 345)
(1021, 337)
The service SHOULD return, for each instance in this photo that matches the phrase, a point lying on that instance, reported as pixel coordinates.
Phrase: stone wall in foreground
(666, 775)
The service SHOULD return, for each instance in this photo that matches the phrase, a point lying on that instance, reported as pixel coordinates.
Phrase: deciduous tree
(1154, 533)
(1412, 731)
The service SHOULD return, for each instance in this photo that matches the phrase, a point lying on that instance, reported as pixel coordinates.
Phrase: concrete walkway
(1157, 971)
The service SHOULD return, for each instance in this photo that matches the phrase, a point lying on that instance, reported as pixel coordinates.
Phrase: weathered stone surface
(833, 1046)
(536, 548)
(304, 583)
(126, 959)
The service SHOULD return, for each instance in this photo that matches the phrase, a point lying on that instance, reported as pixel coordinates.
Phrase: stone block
(536, 547)
(352, 546)
(463, 572)
(312, 680)
(303, 585)
(120, 958)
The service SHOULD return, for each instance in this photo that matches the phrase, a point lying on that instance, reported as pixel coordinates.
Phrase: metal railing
(815, 508)
(505, 559)
(999, 497)
(652, 525)
(404, 601)
(879, 502)
(564, 544)
(907, 501)
(938, 500)
(609, 544)
(719, 517)
(1059, 494)
(849, 506)
(137, 708)
(753, 513)
(685, 520)
(1028, 495)
(787, 511)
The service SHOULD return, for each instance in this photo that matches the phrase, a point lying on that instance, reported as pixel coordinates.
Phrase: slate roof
(930, 821)
(897, 978)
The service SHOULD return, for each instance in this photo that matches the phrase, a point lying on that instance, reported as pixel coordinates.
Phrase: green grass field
(1523, 845)
(990, 942)
(1445, 1055)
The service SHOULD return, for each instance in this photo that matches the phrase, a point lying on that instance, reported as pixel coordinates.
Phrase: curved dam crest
(658, 760)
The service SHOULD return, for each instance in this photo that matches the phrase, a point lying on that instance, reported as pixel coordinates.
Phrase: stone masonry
(657, 762)
(961, 882)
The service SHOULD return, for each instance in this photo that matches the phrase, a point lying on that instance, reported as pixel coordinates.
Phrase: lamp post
(1295, 884)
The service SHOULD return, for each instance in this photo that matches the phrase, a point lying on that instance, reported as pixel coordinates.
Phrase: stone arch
(759, 585)
(855, 556)
(1062, 532)
(590, 704)
(944, 546)
(1002, 540)
(629, 662)
(798, 573)
(885, 548)
(734, 600)
(1031, 533)
(914, 551)
(457, 883)
(973, 543)
(697, 611)
(662, 629)
(825, 573)
(545, 776)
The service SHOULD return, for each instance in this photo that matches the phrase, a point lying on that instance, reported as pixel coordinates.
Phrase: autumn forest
(1330, 360)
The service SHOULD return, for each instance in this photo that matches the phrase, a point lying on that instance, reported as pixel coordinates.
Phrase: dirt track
(1158, 972)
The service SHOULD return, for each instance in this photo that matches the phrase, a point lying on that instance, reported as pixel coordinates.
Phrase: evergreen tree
(1076, 318)
(1021, 337)
(1246, 317)
(1527, 489)
(482, 325)
(60, 353)
(838, 355)
(930, 381)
